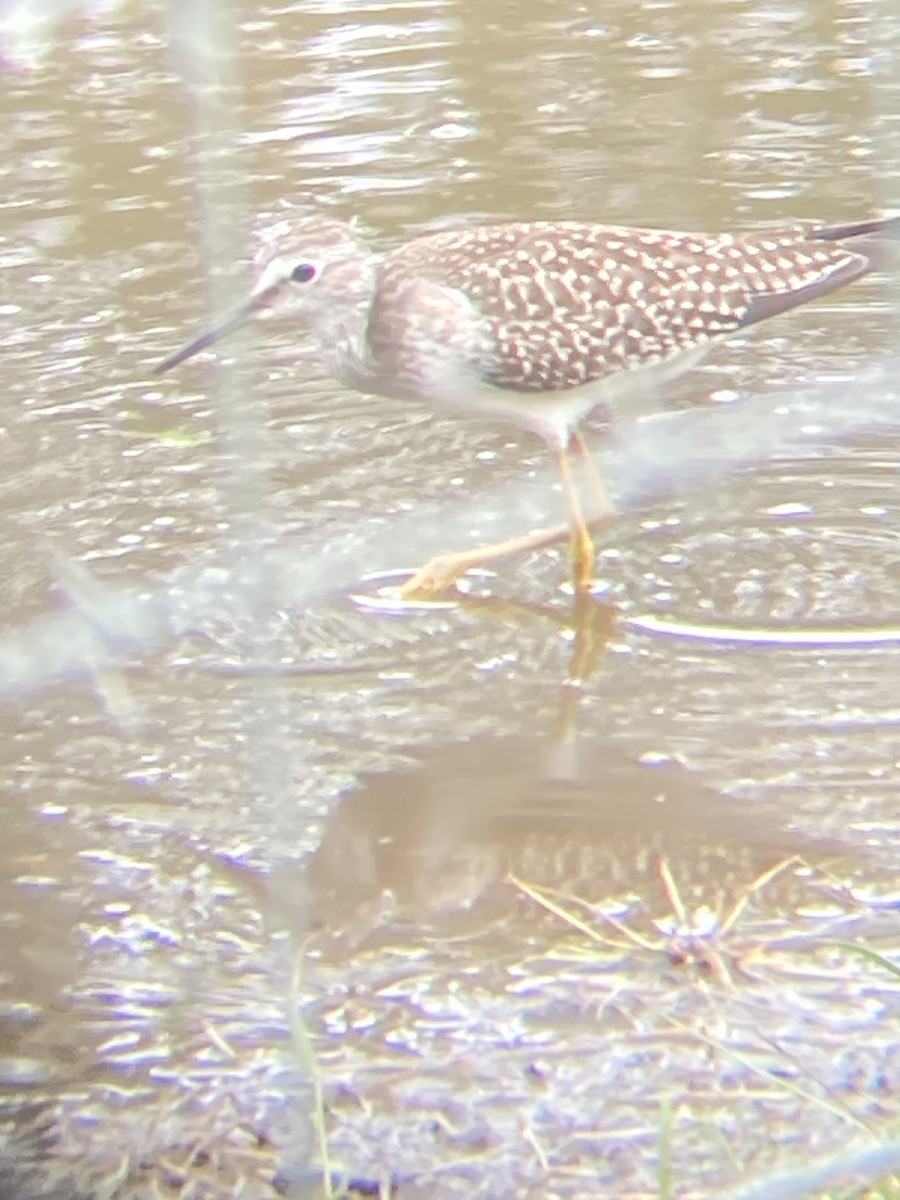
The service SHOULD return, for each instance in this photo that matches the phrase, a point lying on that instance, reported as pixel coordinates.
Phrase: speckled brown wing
(559, 305)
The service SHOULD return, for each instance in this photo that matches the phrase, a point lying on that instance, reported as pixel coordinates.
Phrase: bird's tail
(884, 226)
(862, 247)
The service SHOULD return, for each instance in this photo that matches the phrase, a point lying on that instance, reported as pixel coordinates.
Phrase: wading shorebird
(537, 323)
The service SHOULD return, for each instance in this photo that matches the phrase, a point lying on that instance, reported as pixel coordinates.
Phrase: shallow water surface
(513, 896)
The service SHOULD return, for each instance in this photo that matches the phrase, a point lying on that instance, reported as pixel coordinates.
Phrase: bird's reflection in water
(443, 838)
(447, 841)
(513, 933)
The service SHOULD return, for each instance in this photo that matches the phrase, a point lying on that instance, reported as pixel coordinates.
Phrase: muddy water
(530, 899)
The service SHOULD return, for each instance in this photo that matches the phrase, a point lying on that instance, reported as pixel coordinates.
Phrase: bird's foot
(436, 578)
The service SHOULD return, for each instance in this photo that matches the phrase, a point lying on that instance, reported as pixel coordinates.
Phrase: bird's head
(315, 273)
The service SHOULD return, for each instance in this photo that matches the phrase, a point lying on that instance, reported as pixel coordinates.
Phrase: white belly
(554, 415)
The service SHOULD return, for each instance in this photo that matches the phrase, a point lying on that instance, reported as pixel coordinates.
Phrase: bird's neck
(340, 329)
(342, 345)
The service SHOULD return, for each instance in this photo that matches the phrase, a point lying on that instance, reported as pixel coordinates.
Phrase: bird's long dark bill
(227, 324)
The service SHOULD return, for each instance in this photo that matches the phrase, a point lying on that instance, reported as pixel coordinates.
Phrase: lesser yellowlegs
(536, 323)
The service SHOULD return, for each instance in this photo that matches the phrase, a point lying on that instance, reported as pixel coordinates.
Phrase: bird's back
(560, 305)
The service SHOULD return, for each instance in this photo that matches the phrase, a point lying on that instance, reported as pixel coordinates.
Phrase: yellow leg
(602, 508)
(441, 572)
(583, 552)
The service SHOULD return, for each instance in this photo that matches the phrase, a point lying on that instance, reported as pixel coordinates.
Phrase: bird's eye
(303, 273)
